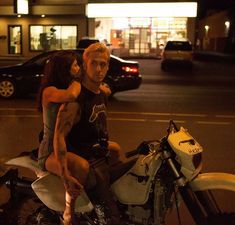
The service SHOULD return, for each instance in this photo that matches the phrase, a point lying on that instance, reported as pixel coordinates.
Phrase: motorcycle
(166, 172)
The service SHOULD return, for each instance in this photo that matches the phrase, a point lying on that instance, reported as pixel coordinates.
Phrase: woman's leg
(78, 168)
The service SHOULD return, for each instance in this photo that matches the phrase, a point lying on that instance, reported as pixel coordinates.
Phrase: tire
(33, 212)
(221, 219)
(218, 212)
(7, 88)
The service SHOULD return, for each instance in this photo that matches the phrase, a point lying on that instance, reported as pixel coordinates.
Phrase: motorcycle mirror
(144, 148)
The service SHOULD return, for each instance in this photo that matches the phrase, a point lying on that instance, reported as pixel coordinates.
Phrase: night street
(202, 100)
(170, 68)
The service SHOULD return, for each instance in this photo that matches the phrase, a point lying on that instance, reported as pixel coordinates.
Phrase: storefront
(145, 29)
(48, 26)
(128, 28)
(140, 36)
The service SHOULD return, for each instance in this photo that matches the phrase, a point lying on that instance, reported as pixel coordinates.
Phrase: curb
(214, 57)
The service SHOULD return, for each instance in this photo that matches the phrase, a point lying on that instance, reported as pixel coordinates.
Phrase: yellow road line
(158, 114)
(167, 121)
(127, 119)
(19, 116)
(226, 116)
(213, 123)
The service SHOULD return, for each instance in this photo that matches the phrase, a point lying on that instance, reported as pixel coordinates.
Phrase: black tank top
(92, 126)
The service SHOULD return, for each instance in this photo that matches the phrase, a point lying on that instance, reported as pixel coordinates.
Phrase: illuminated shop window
(170, 28)
(15, 39)
(140, 22)
(140, 35)
(52, 37)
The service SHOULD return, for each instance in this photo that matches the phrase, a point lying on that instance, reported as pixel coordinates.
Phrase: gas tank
(134, 186)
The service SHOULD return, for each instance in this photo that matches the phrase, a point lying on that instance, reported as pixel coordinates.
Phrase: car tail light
(130, 69)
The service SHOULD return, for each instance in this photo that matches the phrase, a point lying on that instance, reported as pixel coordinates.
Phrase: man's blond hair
(96, 47)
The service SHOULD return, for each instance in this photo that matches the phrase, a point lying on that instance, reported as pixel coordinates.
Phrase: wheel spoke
(7, 88)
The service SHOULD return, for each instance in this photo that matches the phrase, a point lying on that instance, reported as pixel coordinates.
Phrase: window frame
(48, 25)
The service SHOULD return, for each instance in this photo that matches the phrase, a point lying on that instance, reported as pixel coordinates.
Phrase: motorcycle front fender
(210, 181)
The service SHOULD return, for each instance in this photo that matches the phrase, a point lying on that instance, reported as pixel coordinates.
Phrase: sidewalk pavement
(214, 56)
(198, 56)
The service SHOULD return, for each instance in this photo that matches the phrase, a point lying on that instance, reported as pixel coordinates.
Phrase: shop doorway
(15, 39)
(139, 40)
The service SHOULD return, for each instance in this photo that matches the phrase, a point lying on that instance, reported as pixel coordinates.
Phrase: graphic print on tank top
(92, 127)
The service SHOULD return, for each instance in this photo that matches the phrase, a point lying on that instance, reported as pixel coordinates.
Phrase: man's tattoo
(64, 123)
(61, 153)
(66, 116)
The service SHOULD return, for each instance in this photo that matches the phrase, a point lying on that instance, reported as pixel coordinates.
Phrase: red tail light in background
(130, 69)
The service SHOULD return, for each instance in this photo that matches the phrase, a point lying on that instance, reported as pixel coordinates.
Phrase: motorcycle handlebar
(132, 153)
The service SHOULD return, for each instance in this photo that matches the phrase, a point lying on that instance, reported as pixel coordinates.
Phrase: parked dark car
(25, 78)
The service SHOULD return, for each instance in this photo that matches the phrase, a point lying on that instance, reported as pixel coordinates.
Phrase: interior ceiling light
(21, 6)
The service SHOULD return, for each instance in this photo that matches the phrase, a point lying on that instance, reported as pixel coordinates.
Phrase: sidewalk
(198, 56)
(214, 56)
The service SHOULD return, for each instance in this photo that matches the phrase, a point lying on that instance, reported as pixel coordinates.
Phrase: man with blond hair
(82, 125)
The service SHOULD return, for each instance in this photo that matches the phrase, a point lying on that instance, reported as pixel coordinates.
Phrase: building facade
(128, 27)
(48, 25)
(216, 32)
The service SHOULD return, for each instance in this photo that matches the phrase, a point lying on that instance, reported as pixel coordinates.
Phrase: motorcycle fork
(192, 203)
(208, 202)
(188, 196)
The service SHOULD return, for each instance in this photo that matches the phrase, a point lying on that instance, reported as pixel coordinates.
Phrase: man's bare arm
(65, 120)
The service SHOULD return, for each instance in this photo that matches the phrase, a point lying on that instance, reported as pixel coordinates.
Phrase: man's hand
(72, 186)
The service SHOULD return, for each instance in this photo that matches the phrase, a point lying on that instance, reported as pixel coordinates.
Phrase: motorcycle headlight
(197, 159)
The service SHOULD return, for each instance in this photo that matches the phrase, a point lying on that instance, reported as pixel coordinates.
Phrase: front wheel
(33, 212)
(214, 193)
(221, 219)
(209, 206)
(217, 206)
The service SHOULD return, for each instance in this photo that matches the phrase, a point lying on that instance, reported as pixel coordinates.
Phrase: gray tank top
(49, 120)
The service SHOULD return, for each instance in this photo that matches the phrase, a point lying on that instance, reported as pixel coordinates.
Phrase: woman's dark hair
(57, 72)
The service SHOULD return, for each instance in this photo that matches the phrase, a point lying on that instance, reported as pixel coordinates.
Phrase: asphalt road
(202, 100)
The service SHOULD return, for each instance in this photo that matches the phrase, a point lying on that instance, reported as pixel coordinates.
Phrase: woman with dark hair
(60, 84)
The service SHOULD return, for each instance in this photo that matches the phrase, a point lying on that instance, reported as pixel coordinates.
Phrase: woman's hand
(106, 89)
(53, 94)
